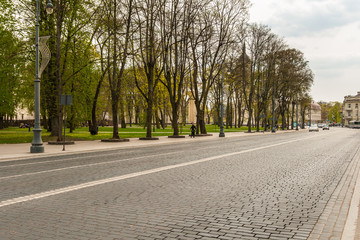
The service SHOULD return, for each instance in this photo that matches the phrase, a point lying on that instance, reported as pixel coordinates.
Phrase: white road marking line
(62, 160)
(83, 166)
(80, 166)
(54, 161)
(131, 175)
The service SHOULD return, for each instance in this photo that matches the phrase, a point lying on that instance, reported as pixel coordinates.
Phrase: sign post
(64, 101)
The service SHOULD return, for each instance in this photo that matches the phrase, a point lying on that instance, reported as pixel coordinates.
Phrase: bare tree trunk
(114, 84)
(122, 113)
(175, 120)
(59, 22)
(149, 115)
(114, 108)
(240, 115)
(93, 124)
(130, 110)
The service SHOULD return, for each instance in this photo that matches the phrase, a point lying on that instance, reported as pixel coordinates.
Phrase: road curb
(352, 224)
(17, 153)
(331, 222)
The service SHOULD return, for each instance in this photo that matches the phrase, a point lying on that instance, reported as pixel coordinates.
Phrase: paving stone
(255, 195)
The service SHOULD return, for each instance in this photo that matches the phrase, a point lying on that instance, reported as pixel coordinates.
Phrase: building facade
(351, 108)
(23, 114)
(314, 115)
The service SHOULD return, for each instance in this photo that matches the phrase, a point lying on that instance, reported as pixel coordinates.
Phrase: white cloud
(327, 31)
(342, 42)
(295, 18)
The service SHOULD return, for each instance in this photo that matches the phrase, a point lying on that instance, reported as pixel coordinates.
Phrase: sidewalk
(22, 150)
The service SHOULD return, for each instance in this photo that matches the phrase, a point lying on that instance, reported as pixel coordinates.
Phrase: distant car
(326, 127)
(320, 125)
(313, 128)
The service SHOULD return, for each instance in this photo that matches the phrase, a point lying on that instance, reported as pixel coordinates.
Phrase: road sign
(65, 100)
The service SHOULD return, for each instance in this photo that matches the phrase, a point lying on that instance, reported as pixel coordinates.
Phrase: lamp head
(49, 7)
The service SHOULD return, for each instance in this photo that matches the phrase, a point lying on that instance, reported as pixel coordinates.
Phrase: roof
(315, 106)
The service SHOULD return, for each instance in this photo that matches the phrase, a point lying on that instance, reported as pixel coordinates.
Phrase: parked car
(326, 127)
(313, 128)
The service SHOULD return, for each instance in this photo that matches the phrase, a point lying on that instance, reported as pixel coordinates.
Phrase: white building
(351, 108)
(314, 115)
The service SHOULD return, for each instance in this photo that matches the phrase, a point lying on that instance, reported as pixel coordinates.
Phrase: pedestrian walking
(193, 129)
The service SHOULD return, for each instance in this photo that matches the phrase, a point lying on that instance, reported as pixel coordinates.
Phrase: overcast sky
(327, 32)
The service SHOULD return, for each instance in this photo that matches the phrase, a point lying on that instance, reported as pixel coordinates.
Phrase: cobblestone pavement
(331, 222)
(260, 187)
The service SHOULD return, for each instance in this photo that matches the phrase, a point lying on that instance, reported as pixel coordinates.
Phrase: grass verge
(22, 135)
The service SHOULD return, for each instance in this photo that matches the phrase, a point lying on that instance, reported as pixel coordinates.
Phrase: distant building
(191, 111)
(314, 115)
(351, 108)
(23, 114)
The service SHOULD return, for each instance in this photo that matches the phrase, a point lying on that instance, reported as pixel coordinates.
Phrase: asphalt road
(256, 187)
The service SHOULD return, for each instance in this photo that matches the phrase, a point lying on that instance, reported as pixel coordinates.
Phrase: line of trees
(143, 60)
(331, 112)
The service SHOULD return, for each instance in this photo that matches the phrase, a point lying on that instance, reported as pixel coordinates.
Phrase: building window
(349, 115)
(356, 105)
(349, 105)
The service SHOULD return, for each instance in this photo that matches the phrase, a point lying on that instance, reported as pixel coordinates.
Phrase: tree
(118, 27)
(304, 101)
(295, 78)
(111, 52)
(147, 51)
(72, 54)
(267, 86)
(103, 68)
(334, 114)
(176, 18)
(211, 38)
(258, 40)
(325, 109)
(11, 63)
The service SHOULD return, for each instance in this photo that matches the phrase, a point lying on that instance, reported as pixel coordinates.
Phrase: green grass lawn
(22, 135)
(12, 135)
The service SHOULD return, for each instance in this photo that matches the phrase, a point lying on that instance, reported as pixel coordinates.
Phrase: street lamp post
(297, 114)
(222, 134)
(310, 113)
(273, 111)
(37, 143)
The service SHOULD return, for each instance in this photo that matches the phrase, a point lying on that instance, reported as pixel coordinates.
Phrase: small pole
(222, 134)
(297, 113)
(64, 121)
(310, 113)
(273, 111)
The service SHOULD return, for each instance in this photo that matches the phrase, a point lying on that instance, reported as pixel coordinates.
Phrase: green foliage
(335, 113)
(87, 56)
(11, 64)
(7, 16)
